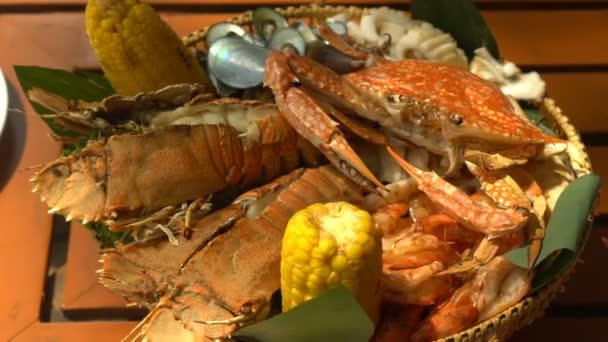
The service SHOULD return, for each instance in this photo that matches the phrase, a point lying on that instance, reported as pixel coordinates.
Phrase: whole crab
(445, 109)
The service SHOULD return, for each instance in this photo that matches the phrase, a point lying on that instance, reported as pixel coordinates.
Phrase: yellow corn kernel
(330, 244)
(136, 49)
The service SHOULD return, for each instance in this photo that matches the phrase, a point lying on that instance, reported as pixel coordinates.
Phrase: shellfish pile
(381, 111)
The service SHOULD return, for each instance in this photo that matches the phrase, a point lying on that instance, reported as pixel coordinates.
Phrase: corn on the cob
(137, 50)
(330, 244)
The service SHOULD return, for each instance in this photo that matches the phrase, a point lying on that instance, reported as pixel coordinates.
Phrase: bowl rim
(3, 101)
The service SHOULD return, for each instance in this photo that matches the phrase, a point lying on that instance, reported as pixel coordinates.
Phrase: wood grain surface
(564, 40)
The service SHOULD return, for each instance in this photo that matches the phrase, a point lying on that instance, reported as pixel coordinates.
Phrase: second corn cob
(329, 244)
(137, 50)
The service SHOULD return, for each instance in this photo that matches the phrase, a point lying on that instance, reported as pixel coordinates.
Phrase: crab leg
(338, 42)
(458, 205)
(501, 186)
(312, 122)
(342, 44)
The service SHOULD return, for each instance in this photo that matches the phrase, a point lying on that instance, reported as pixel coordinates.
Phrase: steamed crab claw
(457, 204)
(311, 121)
(515, 188)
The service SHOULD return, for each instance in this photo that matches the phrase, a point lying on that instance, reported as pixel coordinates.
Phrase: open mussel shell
(221, 88)
(287, 38)
(266, 21)
(225, 29)
(338, 27)
(333, 58)
(237, 63)
(305, 31)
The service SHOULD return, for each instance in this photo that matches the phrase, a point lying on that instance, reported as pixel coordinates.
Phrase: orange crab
(447, 110)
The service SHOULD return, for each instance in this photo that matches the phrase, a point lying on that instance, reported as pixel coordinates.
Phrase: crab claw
(314, 124)
(458, 205)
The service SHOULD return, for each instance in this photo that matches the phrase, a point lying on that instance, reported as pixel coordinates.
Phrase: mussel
(237, 63)
(225, 29)
(236, 59)
(266, 21)
(338, 27)
(305, 31)
(287, 38)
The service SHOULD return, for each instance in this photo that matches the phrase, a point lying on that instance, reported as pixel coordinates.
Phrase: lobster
(161, 149)
(225, 275)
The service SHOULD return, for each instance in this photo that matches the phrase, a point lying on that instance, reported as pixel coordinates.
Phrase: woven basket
(532, 307)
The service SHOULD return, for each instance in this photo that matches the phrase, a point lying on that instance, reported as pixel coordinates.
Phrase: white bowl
(3, 101)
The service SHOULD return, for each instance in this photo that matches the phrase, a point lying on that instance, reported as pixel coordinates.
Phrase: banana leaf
(81, 85)
(335, 315)
(565, 229)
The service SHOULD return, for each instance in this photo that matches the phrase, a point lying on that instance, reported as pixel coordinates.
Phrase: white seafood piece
(395, 31)
(378, 23)
(529, 86)
(510, 79)
(355, 33)
(488, 68)
(391, 15)
(430, 43)
(342, 17)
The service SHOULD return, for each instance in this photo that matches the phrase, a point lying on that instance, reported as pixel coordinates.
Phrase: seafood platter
(236, 176)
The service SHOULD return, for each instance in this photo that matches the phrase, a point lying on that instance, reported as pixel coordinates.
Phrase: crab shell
(440, 107)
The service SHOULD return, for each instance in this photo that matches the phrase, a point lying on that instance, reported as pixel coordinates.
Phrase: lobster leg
(311, 121)
(493, 222)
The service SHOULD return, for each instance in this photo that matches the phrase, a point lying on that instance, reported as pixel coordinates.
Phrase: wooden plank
(81, 289)
(97, 331)
(549, 37)
(532, 44)
(581, 96)
(25, 41)
(26, 143)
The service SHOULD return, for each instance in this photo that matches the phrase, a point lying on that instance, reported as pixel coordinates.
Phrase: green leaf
(564, 229)
(106, 237)
(459, 18)
(333, 316)
(85, 86)
(81, 85)
(538, 119)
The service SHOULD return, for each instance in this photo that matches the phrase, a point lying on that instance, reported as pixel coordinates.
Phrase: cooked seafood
(436, 150)
(226, 273)
(194, 149)
(495, 287)
(411, 265)
(404, 37)
(511, 80)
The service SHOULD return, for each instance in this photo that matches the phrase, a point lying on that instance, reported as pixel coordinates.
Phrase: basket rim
(531, 307)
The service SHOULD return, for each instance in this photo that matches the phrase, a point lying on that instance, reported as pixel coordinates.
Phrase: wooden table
(42, 299)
